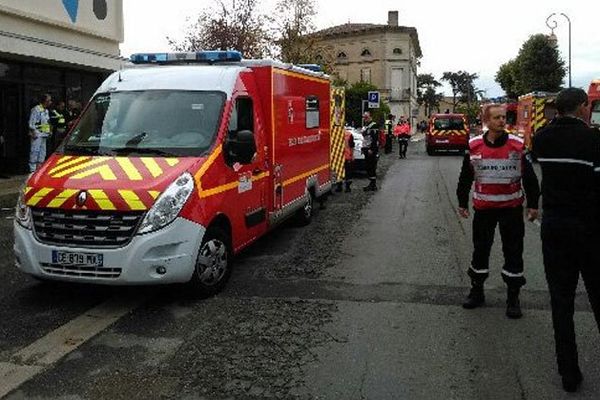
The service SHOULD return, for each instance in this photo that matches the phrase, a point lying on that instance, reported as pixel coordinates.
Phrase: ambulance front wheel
(214, 262)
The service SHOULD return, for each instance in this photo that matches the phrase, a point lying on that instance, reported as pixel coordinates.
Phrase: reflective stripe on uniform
(512, 274)
(479, 271)
(566, 161)
(498, 197)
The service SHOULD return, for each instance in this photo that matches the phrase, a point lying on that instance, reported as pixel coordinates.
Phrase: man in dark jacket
(370, 148)
(569, 154)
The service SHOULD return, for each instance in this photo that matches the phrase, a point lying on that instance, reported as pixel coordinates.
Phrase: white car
(359, 157)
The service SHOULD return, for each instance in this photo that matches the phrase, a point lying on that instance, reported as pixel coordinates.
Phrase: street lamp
(552, 24)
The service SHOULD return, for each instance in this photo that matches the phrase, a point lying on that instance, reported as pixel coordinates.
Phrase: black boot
(372, 186)
(348, 190)
(571, 382)
(513, 306)
(476, 298)
(338, 187)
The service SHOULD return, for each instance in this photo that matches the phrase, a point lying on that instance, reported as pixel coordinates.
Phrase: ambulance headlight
(169, 204)
(23, 212)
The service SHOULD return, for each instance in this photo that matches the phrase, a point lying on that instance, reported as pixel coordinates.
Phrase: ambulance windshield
(595, 117)
(449, 123)
(157, 122)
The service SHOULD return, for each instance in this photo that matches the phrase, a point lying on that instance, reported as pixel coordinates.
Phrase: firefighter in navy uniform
(370, 148)
(498, 166)
(389, 137)
(569, 154)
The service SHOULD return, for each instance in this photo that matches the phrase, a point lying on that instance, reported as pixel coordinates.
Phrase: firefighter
(39, 131)
(58, 122)
(389, 137)
(496, 162)
(403, 137)
(569, 154)
(370, 148)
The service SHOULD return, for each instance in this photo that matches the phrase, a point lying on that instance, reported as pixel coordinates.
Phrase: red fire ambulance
(176, 165)
(534, 111)
(594, 103)
(447, 132)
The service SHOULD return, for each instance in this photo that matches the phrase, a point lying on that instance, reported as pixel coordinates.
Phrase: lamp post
(552, 24)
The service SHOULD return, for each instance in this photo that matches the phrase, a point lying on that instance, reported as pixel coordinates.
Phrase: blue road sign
(373, 98)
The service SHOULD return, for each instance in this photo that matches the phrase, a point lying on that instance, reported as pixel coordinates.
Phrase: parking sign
(373, 99)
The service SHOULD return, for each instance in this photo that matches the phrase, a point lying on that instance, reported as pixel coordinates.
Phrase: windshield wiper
(134, 141)
(81, 149)
(142, 150)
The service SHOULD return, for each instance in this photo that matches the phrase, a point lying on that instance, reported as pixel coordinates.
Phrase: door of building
(13, 142)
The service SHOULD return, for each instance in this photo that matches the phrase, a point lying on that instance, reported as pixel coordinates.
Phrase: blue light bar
(311, 67)
(200, 56)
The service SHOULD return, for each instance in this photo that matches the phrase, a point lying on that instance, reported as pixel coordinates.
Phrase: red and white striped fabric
(497, 172)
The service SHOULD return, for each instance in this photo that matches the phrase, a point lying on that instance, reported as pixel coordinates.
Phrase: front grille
(80, 271)
(85, 228)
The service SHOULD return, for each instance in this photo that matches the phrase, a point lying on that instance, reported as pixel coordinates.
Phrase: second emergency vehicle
(174, 167)
(447, 132)
(594, 103)
(534, 111)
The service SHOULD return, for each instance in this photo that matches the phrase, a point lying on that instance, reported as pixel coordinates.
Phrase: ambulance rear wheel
(304, 215)
(213, 264)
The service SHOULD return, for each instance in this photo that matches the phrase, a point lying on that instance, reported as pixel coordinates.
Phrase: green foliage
(426, 92)
(463, 87)
(537, 67)
(355, 94)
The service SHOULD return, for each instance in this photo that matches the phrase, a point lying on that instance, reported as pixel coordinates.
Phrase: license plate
(442, 141)
(69, 258)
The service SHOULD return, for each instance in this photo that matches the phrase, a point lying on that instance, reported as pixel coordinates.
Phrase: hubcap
(212, 262)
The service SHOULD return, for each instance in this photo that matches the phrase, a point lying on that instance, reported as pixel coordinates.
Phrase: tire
(304, 215)
(213, 264)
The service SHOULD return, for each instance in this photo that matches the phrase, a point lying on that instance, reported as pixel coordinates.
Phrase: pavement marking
(44, 352)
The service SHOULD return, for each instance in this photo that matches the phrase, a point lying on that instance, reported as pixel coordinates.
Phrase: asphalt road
(364, 303)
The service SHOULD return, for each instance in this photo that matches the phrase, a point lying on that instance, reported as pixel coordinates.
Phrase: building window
(397, 50)
(366, 53)
(342, 55)
(365, 75)
(319, 58)
(312, 112)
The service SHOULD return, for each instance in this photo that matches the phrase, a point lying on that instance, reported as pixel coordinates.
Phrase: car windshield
(443, 124)
(156, 122)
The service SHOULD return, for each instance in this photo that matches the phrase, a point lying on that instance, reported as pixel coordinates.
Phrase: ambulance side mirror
(241, 147)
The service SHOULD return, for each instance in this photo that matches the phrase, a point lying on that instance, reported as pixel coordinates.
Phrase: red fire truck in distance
(447, 132)
(176, 165)
(594, 103)
(534, 111)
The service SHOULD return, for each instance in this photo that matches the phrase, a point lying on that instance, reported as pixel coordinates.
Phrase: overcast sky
(472, 36)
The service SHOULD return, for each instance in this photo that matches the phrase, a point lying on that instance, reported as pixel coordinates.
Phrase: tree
(355, 94)
(537, 67)
(232, 24)
(295, 23)
(463, 87)
(426, 92)
(506, 79)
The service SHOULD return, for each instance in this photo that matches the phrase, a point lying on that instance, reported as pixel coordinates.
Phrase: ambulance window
(595, 117)
(242, 117)
(312, 112)
(526, 112)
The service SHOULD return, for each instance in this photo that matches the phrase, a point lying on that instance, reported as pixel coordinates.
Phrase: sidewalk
(9, 190)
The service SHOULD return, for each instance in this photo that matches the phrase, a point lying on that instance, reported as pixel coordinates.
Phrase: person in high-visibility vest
(39, 131)
(403, 134)
(348, 161)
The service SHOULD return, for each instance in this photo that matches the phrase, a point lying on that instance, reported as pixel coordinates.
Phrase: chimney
(393, 18)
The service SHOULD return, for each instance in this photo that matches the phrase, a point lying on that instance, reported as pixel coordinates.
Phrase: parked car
(359, 157)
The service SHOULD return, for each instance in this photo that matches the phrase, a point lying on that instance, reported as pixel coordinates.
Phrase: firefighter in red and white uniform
(497, 164)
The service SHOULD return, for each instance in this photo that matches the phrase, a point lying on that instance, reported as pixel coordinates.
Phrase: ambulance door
(251, 175)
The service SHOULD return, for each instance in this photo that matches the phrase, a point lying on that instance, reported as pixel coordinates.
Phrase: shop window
(312, 112)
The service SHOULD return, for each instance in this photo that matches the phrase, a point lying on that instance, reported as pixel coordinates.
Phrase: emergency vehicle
(594, 103)
(534, 111)
(447, 132)
(176, 165)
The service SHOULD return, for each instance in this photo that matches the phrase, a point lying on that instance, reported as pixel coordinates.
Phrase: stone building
(65, 48)
(384, 55)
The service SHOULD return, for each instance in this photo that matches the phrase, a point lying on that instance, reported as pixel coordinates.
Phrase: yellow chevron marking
(38, 196)
(152, 166)
(154, 193)
(104, 170)
(102, 199)
(63, 159)
(27, 190)
(172, 161)
(129, 168)
(132, 200)
(62, 198)
(305, 175)
(79, 167)
(67, 164)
